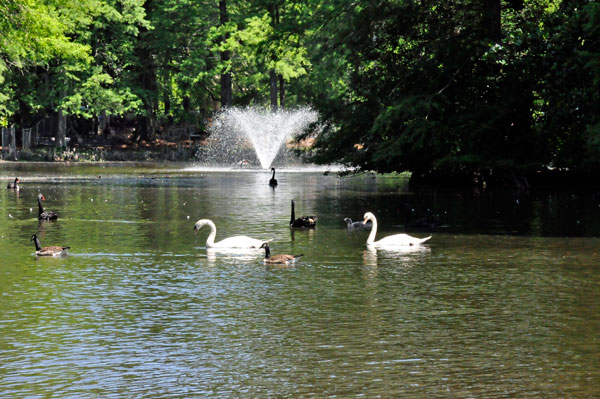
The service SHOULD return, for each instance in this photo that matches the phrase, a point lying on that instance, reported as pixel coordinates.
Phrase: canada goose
(14, 185)
(43, 215)
(396, 240)
(230, 242)
(278, 259)
(302, 221)
(48, 251)
(273, 181)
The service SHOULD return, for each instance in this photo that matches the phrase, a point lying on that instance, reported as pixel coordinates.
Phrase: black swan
(428, 222)
(15, 185)
(42, 215)
(273, 181)
(279, 259)
(48, 251)
(357, 225)
(302, 221)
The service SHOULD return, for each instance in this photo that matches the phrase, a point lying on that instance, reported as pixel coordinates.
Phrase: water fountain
(242, 137)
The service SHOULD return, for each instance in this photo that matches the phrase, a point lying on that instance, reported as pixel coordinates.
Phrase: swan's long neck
(371, 238)
(40, 206)
(293, 213)
(210, 241)
(273, 174)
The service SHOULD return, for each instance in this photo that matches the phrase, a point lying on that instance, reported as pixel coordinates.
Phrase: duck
(48, 251)
(303, 221)
(230, 242)
(396, 240)
(273, 181)
(350, 225)
(45, 215)
(278, 259)
(14, 185)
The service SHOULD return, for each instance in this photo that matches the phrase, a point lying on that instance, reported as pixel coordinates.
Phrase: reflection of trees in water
(164, 210)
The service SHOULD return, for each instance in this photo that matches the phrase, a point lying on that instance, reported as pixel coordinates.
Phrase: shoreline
(10, 169)
(548, 179)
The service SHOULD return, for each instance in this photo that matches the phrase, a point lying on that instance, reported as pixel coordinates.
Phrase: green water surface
(502, 302)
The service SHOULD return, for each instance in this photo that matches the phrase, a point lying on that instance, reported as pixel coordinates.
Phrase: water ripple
(141, 308)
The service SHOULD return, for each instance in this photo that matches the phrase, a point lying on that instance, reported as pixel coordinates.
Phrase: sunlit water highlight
(503, 303)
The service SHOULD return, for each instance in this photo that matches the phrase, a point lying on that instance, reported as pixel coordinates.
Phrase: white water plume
(254, 136)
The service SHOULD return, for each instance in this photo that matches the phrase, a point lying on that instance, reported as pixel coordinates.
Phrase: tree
(568, 93)
(226, 91)
(266, 51)
(437, 89)
(31, 37)
(83, 71)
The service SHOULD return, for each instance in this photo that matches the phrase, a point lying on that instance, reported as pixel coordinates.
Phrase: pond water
(503, 301)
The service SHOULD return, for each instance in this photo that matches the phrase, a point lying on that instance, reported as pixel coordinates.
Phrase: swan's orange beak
(43, 198)
(365, 221)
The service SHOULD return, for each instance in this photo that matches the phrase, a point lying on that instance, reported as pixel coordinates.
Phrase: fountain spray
(252, 135)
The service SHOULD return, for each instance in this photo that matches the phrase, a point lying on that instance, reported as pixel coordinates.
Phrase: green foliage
(34, 33)
(97, 94)
(569, 85)
(432, 90)
(459, 86)
(71, 56)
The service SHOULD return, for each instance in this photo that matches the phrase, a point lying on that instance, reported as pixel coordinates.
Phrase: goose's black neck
(40, 206)
(267, 252)
(36, 241)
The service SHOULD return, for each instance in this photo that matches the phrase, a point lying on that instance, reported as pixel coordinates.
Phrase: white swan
(396, 240)
(231, 242)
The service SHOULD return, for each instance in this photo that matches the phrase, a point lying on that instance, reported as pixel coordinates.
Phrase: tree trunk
(94, 128)
(9, 139)
(146, 70)
(273, 77)
(516, 4)
(186, 103)
(167, 102)
(61, 130)
(102, 123)
(148, 128)
(226, 90)
(273, 85)
(281, 92)
(492, 26)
